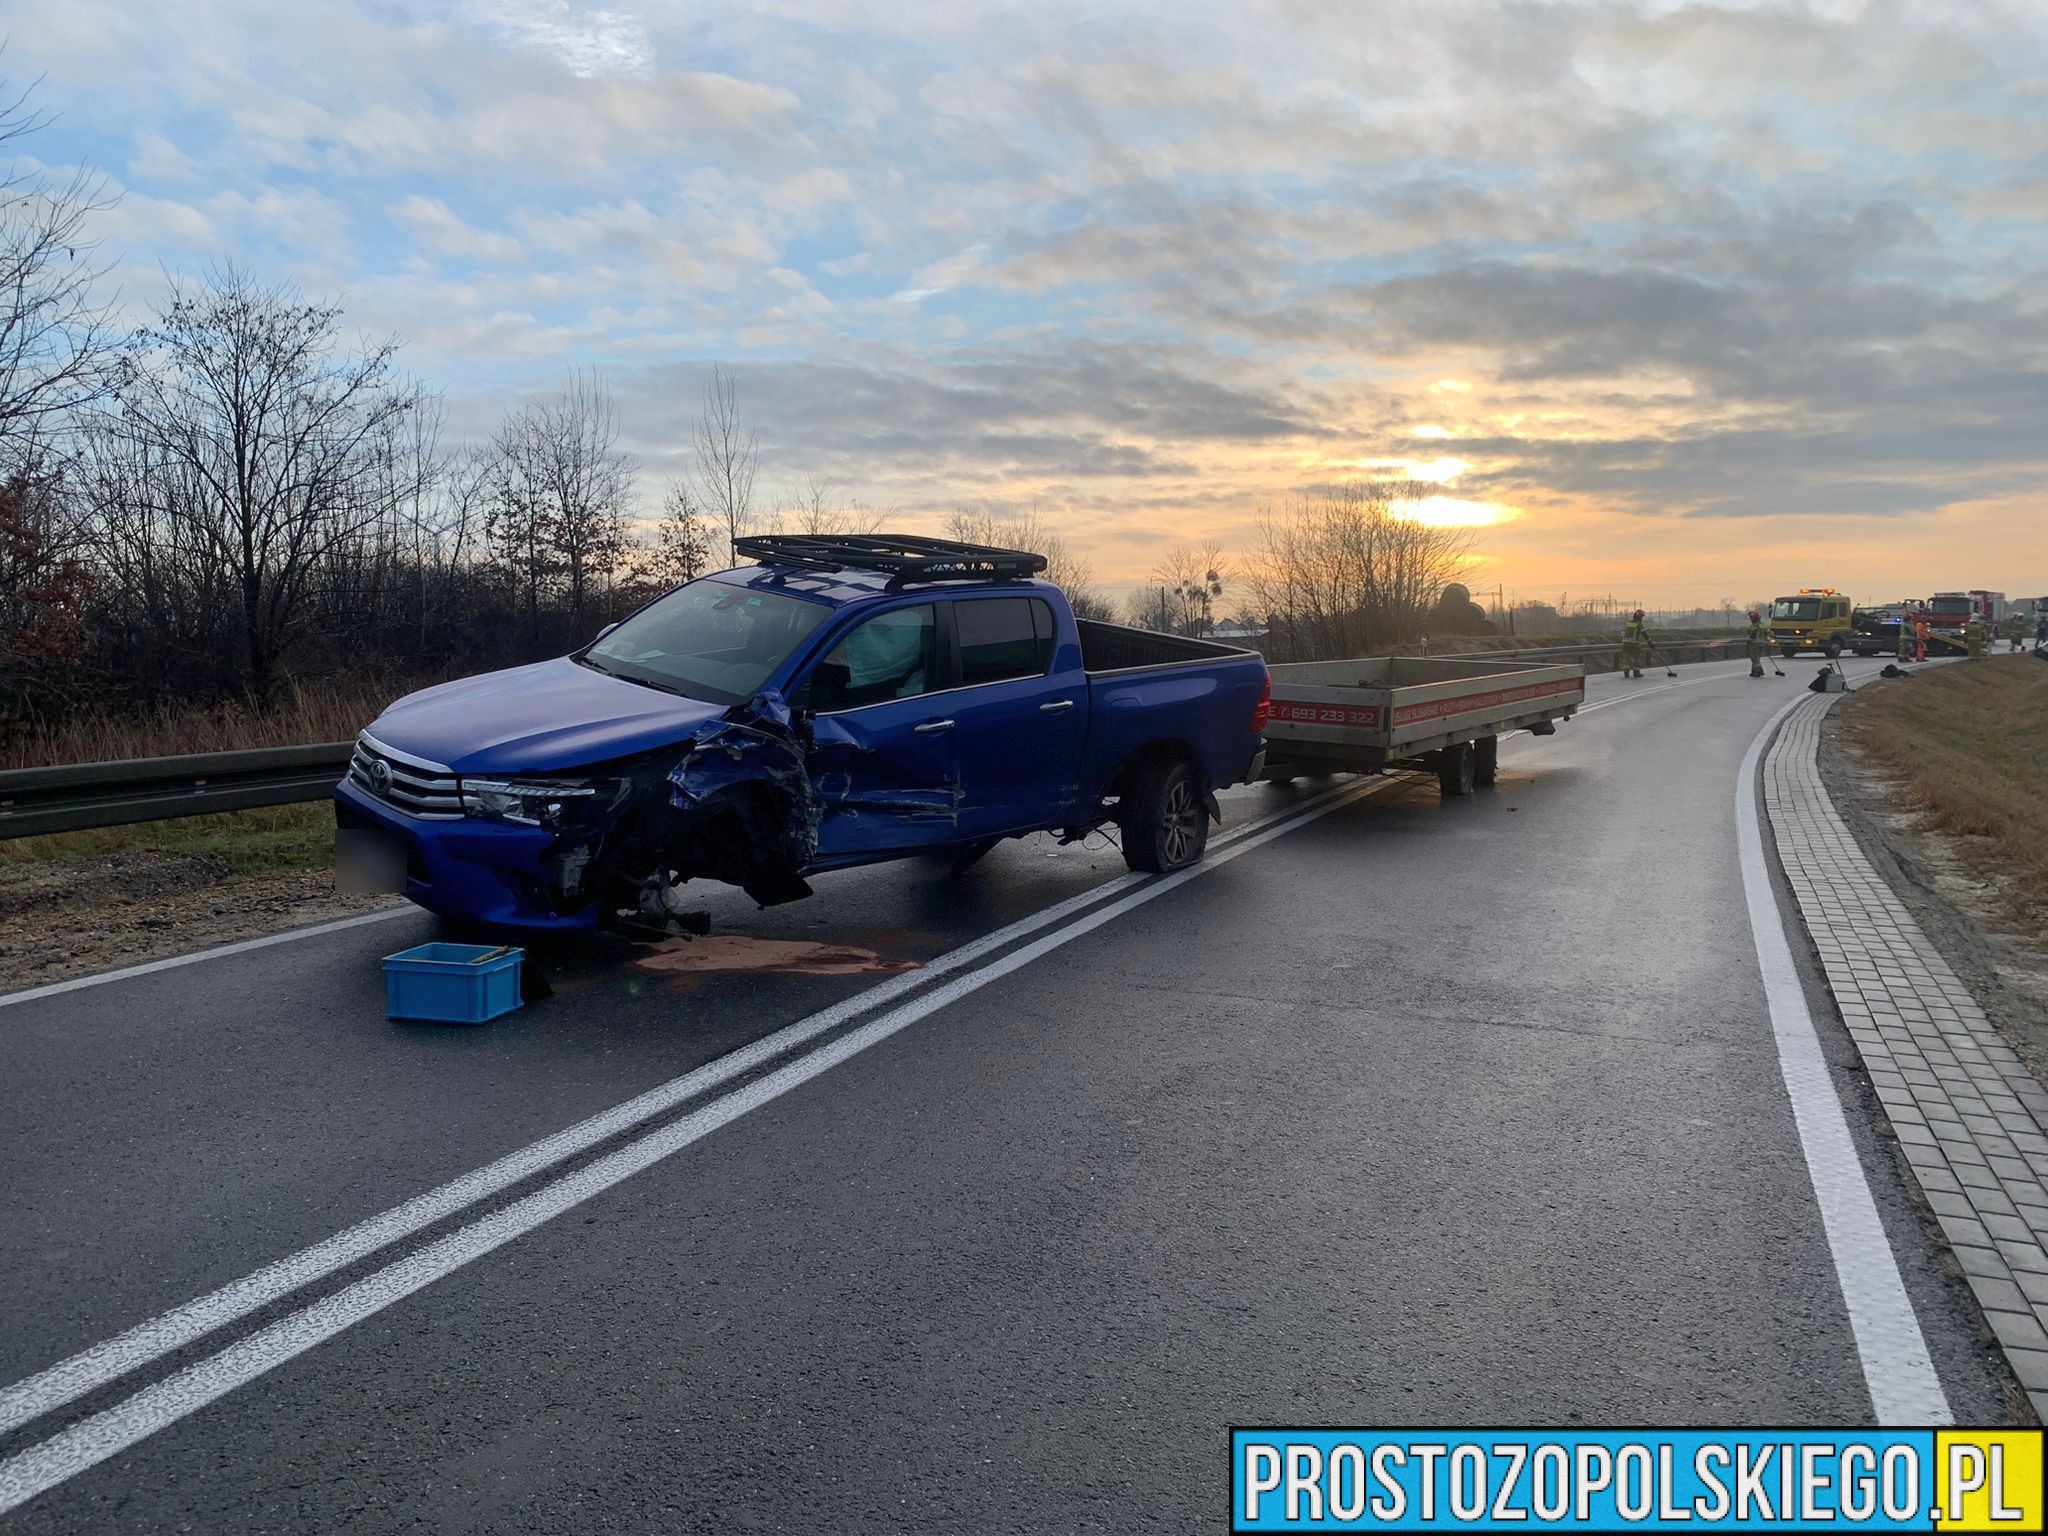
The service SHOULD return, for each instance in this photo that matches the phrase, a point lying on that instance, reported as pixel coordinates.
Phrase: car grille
(414, 788)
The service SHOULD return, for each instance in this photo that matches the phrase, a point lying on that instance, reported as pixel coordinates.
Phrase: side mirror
(605, 631)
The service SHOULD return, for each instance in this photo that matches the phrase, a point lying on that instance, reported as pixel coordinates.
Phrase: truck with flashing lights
(1813, 619)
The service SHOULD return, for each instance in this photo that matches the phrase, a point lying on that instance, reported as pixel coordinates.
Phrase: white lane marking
(101, 1435)
(93, 1368)
(77, 983)
(1904, 1388)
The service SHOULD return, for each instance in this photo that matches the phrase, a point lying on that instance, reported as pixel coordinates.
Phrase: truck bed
(1376, 710)
(1120, 648)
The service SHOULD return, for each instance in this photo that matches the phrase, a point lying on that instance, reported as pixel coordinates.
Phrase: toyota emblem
(380, 776)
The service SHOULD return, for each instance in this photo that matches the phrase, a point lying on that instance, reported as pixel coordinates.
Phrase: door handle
(1055, 706)
(933, 727)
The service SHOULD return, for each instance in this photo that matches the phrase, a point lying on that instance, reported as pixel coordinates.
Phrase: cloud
(429, 222)
(1682, 265)
(586, 40)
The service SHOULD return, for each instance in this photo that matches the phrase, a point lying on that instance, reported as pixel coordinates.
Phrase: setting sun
(1453, 512)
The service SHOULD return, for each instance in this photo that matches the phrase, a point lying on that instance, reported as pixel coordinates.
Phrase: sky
(1678, 302)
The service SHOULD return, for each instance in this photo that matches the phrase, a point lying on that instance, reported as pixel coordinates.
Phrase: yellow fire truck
(1812, 619)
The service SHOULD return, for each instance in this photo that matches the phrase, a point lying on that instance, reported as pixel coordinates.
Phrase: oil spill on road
(691, 958)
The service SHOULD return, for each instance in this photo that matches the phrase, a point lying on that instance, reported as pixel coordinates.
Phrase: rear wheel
(1456, 768)
(1165, 824)
(1486, 762)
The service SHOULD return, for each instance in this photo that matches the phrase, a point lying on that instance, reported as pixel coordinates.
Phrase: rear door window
(1003, 638)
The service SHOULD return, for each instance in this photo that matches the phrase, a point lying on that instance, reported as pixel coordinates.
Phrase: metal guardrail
(1659, 650)
(79, 795)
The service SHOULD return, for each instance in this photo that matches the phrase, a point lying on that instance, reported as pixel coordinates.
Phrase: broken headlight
(550, 803)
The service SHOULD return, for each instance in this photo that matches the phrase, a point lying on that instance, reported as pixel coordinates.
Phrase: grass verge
(1968, 744)
(261, 842)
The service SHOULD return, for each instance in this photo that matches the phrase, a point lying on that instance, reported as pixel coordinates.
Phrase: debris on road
(735, 952)
(444, 983)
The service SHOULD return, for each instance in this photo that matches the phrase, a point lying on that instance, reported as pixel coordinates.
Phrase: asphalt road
(1405, 1111)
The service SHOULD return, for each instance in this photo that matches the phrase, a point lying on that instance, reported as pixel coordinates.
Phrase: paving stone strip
(1972, 1119)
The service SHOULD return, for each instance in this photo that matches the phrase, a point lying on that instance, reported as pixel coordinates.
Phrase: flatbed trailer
(1379, 712)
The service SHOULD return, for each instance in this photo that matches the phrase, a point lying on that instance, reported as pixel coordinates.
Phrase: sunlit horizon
(1661, 307)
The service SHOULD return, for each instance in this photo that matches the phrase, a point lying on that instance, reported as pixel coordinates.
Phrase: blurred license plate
(369, 859)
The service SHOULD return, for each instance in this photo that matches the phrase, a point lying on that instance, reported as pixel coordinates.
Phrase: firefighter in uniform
(1906, 629)
(1923, 627)
(2015, 630)
(1973, 636)
(1759, 637)
(1633, 635)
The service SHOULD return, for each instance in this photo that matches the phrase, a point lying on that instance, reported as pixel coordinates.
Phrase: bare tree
(559, 490)
(1065, 567)
(1343, 571)
(1151, 607)
(682, 539)
(55, 347)
(1192, 577)
(515, 512)
(260, 436)
(590, 486)
(727, 455)
(817, 507)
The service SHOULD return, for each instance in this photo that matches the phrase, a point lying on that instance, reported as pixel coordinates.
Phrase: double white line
(112, 1430)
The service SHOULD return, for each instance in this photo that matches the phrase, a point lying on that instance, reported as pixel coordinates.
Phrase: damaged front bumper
(488, 872)
(732, 804)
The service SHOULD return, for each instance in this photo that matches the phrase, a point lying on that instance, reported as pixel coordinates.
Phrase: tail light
(1263, 710)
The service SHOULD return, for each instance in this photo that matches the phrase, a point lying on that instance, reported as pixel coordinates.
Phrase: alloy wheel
(1177, 823)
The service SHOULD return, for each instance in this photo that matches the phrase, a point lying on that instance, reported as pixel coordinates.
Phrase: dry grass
(259, 842)
(331, 711)
(1969, 745)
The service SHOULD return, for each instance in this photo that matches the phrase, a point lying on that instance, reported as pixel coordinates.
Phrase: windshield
(708, 640)
(1951, 605)
(1796, 608)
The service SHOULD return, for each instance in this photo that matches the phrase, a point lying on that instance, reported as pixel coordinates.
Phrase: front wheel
(1832, 650)
(1165, 824)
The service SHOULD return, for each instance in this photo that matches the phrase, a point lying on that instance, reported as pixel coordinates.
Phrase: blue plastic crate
(452, 983)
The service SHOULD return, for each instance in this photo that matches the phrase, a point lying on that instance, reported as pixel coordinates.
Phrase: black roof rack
(904, 556)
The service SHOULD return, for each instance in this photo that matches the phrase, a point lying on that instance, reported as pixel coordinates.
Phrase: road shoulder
(1970, 1121)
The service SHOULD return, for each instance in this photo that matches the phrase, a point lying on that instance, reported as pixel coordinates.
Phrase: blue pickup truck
(845, 701)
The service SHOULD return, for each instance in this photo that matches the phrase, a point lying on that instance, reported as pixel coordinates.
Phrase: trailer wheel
(1456, 767)
(1165, 824)
(1486, 762)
